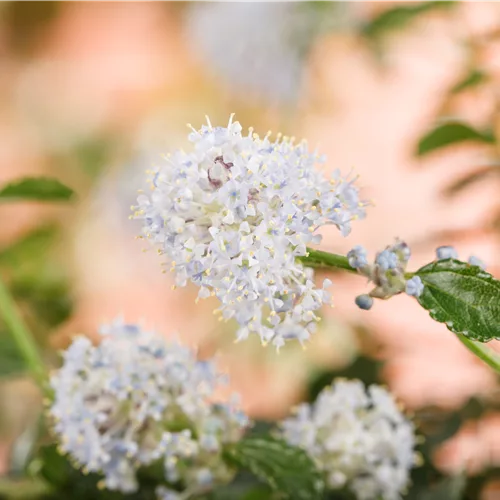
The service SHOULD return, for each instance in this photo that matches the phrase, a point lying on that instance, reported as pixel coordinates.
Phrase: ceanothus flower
(359, 439)
(136, 399)
(268, 62)
(387, 273)
(234, 214)
(449, 252)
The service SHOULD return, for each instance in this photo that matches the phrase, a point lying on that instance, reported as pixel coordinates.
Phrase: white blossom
(261, 48)
(358, 438)
(135, 399)
(233, 215)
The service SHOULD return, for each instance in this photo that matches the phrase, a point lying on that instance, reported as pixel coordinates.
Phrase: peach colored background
(130, 71)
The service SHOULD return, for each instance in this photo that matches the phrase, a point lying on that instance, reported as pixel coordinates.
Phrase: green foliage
(363, 368)
(458, 185)
(462, 296)
(11, 362)
(449, 133)
(400, 17)
(68, 482)
(37, 189)
(472, 79)
(22, 489)
(28, 246)
(36, 275)
(285, 468)
(451, 488)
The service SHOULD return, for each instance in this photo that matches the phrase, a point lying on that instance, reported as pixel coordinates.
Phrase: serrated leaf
(285, 468)
(465, 298)
(36, 188)
(474, 78)
(450, 133)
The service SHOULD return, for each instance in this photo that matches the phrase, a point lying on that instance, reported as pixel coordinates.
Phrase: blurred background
(404, 94)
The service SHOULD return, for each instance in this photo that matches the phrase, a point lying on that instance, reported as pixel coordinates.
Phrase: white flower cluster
(235, 213)
(268, 62)
(358, 437)
(136, 399)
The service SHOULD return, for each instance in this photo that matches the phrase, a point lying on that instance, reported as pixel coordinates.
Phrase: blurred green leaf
(68, 482)
(452, 133)
(287, 469)
(470, 178)
(244, 487)
(92, 155)
(400, 17)
(31, 244)
(49, 299)
(463, 297)
(36, 188)
(474, 78)
(363, 368)
(11, 362)
(22, 489)
(36, 275)
(450, 488)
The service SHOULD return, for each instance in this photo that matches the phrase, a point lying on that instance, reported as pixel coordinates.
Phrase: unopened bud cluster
(388, 273)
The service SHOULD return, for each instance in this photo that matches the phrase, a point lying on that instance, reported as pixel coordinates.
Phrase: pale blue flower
(446, 252)
(114, 403)
(414, 286)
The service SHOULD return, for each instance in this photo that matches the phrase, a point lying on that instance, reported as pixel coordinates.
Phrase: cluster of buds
(388, 273)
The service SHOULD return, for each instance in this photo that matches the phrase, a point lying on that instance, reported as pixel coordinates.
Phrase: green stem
(482, 351)
(317, 258)
(21, 335)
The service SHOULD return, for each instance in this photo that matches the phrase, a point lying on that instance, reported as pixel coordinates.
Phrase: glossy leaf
(450, 133)
(37, 189)
(464, 297)
(285, 468)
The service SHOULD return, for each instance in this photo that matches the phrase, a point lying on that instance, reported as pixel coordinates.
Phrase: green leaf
(470, 178)
(286, 469)
(32, 244)
(452, 133)
(464, 297)
(11, 362)
(36, 188)
(474, 78)
(450, 488)
(22, 489)
(399, 17)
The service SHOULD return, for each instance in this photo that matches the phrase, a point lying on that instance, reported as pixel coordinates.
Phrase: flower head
(358, 438)
(135, 399)
(233, 215)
